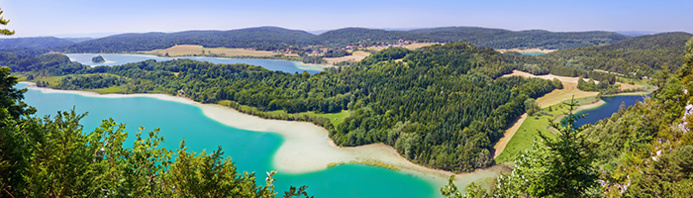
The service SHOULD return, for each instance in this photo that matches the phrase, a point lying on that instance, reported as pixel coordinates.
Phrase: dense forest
(273, 38)
(634, 57)
(440, 106)
(505, 39)
(261, 38)
(645, 150)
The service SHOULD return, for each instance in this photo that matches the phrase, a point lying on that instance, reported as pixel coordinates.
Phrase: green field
(533, 125)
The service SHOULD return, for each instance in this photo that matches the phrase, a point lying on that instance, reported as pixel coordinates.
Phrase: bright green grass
(532, 126)
(109, 90)
(336, 118)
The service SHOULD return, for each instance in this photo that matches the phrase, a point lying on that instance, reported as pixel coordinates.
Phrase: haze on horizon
(76, 18)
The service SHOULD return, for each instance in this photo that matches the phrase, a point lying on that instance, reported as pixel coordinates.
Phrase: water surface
(251, 151)
(604, 111)
(271, 64)
(533, 53)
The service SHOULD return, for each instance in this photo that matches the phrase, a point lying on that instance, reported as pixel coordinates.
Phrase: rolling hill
(272, 38)
(637, 56)
(33, 42)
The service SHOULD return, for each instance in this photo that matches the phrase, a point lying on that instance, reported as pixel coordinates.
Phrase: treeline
(33, 42)
(541, 65)
(505, 39)
(635, 57)
(439, 106)
(274, 38)
(96, 81)
(54, 157)
(260, 38)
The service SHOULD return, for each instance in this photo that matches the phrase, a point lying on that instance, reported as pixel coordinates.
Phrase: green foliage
(260, 38)
(4, 21)
(531, 106)
(91, 81)
(98, 59)
(210, 175)
(569, 160)
(54, 157)
(504, 39)
(443, 98)
(554, 167)
(557, 83)
(451, 190)
(11, 97)
(645, 151)
(669, 176)
(634, 57)
(297, 192)
(274, 38)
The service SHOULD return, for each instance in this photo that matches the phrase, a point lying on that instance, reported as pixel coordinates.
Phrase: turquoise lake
(533, 53)
(604, 111)
(275, 65)
(251, 151)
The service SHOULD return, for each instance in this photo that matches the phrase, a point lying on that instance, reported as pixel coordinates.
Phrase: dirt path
(509, 133)
(569, 91)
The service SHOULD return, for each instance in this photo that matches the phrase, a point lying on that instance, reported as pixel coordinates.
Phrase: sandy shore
(307, 147)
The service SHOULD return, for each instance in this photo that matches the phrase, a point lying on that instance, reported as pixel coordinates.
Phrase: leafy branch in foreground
(4, 21)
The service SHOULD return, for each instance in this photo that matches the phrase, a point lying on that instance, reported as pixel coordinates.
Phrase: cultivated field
(531, 50)
(197, 50)
(526, 129)
(356, 56)
(360, 55)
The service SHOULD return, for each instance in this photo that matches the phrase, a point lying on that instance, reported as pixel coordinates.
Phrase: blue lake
(251, 151)
(604, 111)
(271, 64)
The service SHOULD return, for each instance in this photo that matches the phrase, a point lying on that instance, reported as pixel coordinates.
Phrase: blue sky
(95, 17)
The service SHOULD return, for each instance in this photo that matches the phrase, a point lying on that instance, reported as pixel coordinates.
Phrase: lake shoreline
(311, 68)
(302, 139)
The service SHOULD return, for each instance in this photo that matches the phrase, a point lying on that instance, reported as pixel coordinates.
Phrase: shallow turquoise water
(533, 53)
(251, 151)
(120, 59)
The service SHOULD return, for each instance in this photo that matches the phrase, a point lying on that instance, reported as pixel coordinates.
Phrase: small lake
(604, 111)
(270, 64)
(251, 151)
(533, 53)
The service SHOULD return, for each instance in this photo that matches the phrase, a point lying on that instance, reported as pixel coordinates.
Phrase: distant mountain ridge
(272, 38)
(33, 42)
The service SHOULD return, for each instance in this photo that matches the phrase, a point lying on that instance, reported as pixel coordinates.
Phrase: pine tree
(569, 159)
(4, 21)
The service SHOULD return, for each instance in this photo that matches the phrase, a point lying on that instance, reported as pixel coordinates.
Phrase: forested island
(98, 59)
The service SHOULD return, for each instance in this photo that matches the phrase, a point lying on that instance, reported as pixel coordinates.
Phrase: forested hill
(33, 42)
(505, 39)
(272, 38)
(438, 106)
(635, 57)
(264, 38)
(347, 36)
